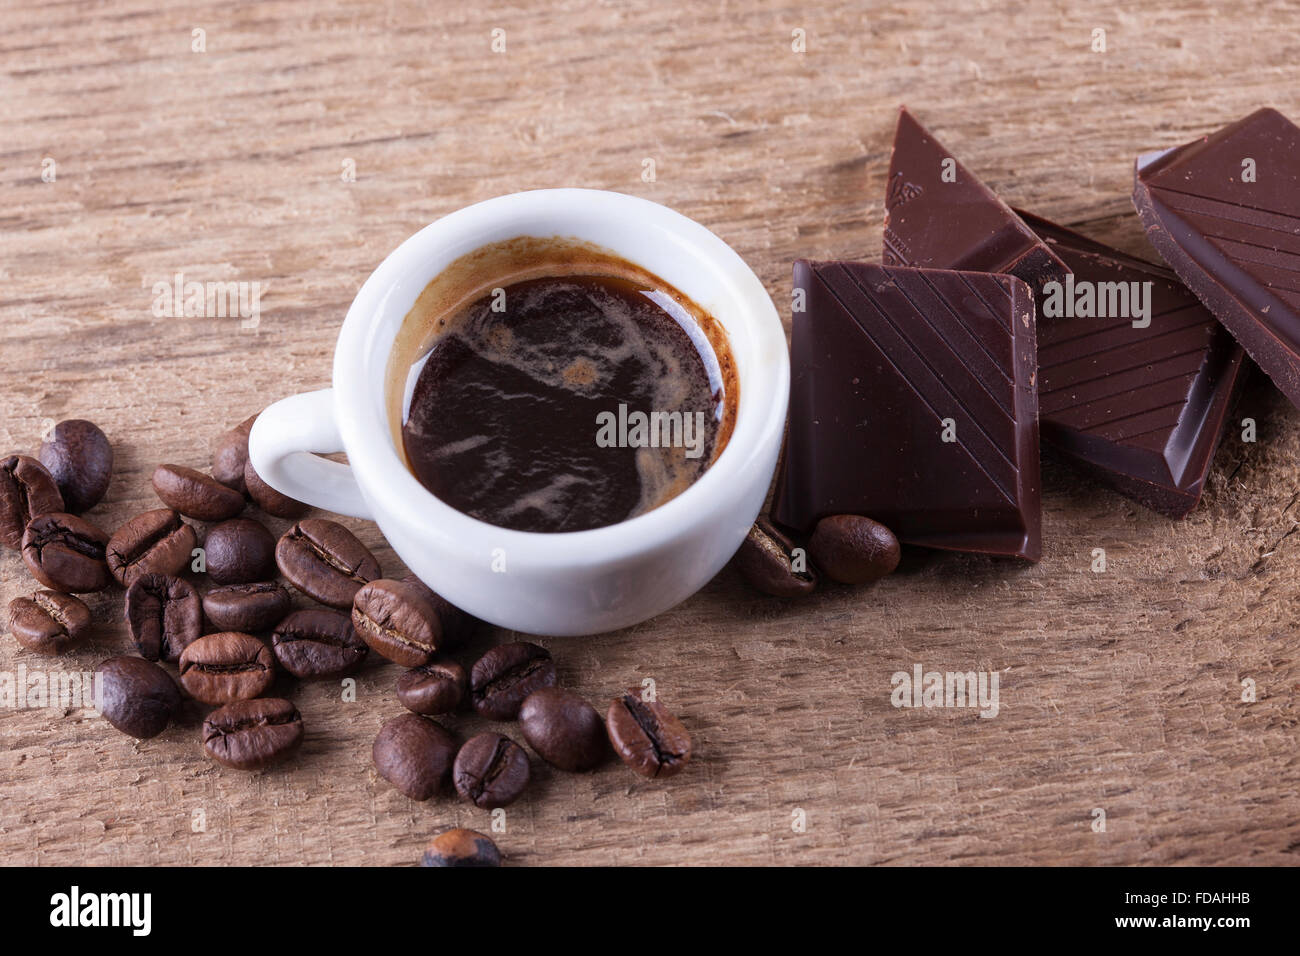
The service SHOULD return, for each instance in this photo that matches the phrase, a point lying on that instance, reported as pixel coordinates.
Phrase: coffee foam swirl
(577, 346)
(586, 365)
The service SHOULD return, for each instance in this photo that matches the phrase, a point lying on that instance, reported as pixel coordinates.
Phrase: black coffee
(566, 403)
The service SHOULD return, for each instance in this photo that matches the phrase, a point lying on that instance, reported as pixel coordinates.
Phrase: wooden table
(1119, 691)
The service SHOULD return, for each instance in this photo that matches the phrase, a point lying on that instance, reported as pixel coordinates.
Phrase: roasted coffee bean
(48, 622)
(139, 698)
(27, 489)
(564, 729)
(239, 551)
(80, 458)
(230, 455)
(415, 755)
(457, 626)
(459, 847)
(852, 549)
(491, 771)
(155, 542)
(397, 622)
(268, 499)
(247, 607)
(317, 644)
(646, 736)
(437, 687)
(325, 561)
(195, 494)
(252, 734)
(505, 675)
(66, 553)
(219, 668)
(768, 560)
(163, 616)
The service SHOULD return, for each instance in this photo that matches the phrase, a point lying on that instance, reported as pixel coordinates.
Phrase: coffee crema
(567, 400)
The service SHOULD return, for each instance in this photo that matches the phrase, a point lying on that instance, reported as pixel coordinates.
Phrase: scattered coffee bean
(646, 736)
(139, 698)
(437, 687)
(564, 729)
(66, 553)
(397, 622)
(268, 499)
(80, 458)
(767, 560)
(163, 616)
(239, 551)
(852, 549)
(457, 626)
(491, 771)
(219, 668)
(252, 734)
(246, 607)
(230, 455)
(27, 489)
(415, 755)
(48, 622)
(459, 847)
(154, 542)
(505, 675)
(325, 561)
(195, 494)
(317, 644)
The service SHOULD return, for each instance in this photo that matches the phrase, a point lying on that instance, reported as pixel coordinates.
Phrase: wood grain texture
(1119, 690)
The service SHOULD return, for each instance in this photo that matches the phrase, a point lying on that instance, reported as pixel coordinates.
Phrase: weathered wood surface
(1119, 690)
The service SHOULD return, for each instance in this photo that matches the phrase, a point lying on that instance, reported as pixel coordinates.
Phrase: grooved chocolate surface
(1235, 242)
(882, 357)
(959, 224)
(1142, 408)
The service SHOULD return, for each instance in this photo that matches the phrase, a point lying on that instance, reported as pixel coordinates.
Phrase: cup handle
(280, 447)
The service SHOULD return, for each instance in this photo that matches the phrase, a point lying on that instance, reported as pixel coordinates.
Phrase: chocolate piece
(939, 216)
(1142, 408)
(1224, 211)
(913, 402)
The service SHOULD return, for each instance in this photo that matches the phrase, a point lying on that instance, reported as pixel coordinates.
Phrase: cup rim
(361, 411)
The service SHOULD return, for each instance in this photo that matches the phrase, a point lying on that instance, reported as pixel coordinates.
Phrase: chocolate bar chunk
(913, 402)
(1224, 211)
(938, 215)
(1140, 401)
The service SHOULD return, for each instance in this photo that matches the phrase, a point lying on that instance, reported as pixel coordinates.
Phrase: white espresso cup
(580, 582)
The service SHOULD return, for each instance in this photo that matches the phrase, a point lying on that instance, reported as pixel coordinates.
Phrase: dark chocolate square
(913, 402)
